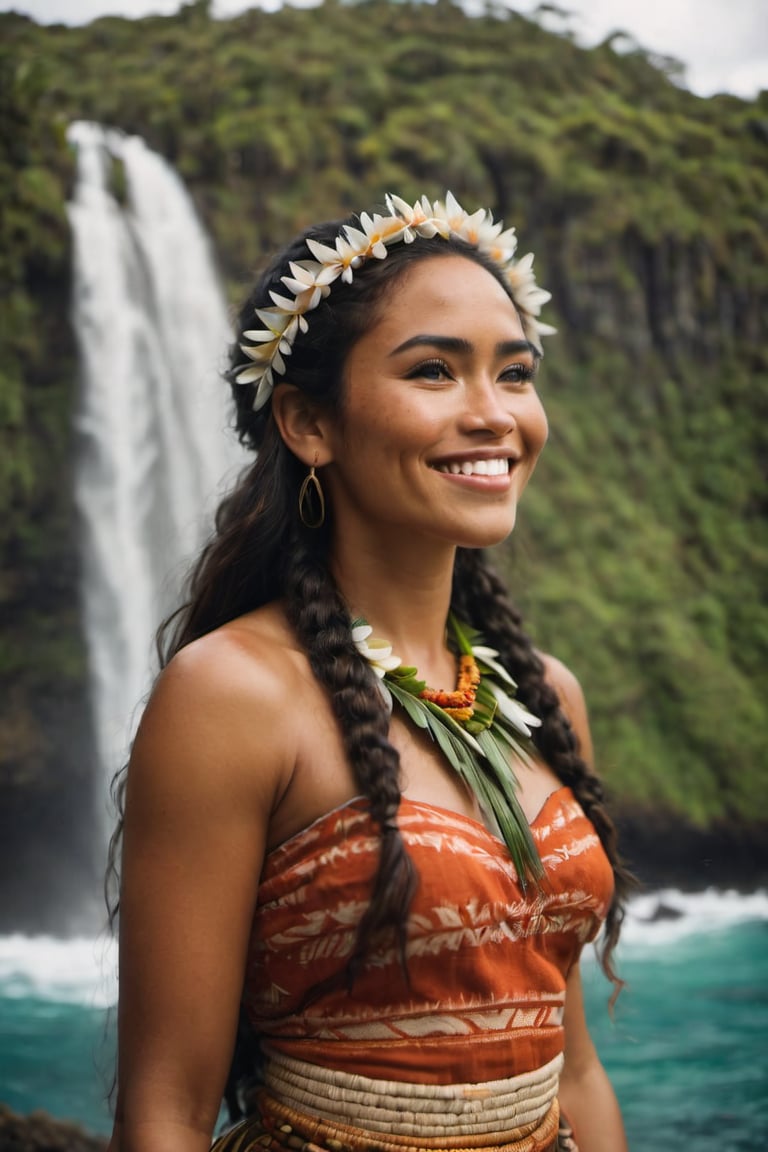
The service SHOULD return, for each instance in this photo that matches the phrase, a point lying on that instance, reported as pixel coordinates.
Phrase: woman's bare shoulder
(572, 702)
(253, 659)
(224, 700)
(560, 676)
(254, 656)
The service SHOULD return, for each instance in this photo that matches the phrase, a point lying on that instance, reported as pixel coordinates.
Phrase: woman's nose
(489, 409)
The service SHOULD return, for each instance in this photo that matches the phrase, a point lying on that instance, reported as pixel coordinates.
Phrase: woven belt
(307, 1108)
(399, 1108)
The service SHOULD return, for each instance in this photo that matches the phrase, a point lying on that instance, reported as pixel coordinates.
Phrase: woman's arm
(586, 1096)
(209, 761)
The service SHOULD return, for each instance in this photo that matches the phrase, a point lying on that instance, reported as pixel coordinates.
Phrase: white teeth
(497, 467)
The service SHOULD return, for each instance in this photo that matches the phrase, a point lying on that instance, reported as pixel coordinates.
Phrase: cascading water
(154, 449)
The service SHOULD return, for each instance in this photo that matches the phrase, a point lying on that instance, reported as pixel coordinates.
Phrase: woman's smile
(480, 468)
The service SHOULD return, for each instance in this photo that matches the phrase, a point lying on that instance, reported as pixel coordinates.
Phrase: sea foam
(669, 915)
(79, 970)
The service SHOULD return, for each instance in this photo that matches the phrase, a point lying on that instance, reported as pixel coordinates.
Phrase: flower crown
(310, 280)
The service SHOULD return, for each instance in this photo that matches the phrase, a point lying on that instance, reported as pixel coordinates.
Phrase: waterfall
(154, 451)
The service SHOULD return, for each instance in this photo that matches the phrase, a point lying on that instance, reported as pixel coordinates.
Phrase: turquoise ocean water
(686, 1049)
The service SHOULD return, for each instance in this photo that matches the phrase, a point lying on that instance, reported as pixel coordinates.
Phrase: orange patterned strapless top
(487, 964)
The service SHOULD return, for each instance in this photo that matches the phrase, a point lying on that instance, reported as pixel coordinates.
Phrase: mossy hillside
(38, 654)
(45, 768)
(640, 555)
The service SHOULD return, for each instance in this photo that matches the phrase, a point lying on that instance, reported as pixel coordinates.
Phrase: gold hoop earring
(311, 501)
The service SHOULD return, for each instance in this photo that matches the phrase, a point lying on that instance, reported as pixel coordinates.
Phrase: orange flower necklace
(459, 704)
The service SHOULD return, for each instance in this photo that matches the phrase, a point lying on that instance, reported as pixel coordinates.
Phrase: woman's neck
(405, 596)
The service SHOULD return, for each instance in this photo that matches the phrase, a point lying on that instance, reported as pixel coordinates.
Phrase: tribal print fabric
(487, 963)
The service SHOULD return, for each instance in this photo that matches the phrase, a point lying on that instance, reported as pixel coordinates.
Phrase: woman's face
(441, 425)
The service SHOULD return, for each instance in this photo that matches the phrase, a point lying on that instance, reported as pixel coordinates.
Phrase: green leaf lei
(481, 748)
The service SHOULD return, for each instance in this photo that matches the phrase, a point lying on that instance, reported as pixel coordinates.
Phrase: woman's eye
(519, 373)
(429, 370)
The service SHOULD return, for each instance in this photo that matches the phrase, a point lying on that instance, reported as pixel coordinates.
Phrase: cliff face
(641, 553)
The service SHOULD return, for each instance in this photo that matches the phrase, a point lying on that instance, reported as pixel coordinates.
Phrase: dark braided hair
(261, 552)
(320, 619)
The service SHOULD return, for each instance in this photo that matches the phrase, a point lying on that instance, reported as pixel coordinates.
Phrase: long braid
(481, 597)
(320, 619)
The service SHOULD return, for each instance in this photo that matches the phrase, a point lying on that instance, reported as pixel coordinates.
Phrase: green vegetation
(641, 557)
(40, 652)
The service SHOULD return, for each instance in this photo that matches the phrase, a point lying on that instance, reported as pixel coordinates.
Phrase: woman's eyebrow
(458, 344)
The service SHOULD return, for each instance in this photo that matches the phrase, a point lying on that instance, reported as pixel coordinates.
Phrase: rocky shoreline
(39, 1132)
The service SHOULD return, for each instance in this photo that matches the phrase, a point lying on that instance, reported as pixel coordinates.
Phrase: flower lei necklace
(478, 727)
(310, 281)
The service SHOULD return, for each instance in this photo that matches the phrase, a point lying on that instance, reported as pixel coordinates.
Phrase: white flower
(418, 218)
(377, 652)
(351, 247)
(382, 230)
(456, 221)
(523, 284)
(309, 283)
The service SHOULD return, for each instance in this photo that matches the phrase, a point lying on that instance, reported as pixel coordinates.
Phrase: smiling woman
(375, 890)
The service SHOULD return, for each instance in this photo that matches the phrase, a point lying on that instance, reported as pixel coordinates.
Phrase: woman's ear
(303, 425)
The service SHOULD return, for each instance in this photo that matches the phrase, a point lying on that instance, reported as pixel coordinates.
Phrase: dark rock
(663, 911)
(39, 1132)
(664, 851)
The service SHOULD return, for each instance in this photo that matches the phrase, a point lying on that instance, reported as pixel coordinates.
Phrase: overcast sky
(723, 43)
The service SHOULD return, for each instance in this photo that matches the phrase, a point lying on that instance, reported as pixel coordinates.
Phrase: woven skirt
(306, 1108)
